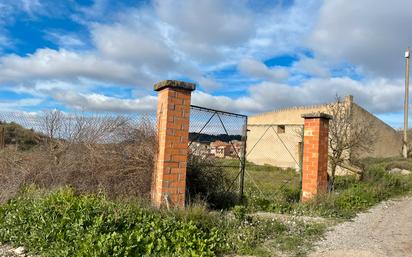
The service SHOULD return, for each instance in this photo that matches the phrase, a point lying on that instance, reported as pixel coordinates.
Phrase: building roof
(218, 143)
(290, 115)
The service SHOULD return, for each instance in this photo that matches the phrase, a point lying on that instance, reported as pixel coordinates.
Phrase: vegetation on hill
(203, 137)
(24, 138)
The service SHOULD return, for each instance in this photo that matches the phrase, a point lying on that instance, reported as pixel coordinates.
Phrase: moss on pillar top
(317, 115)
(174, 84)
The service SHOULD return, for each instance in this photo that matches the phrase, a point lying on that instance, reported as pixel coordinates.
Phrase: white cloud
(48, 64)
(137, 41)
(378, 95)
(283, 30)
(193, 39)
(210, 22)
(257, 69)
(12, 105)
(31, 6)
(371, 34)
(208, 83)
(146, 44)
(65, 40)
(242, 104)
(311, 66)
(99, 102)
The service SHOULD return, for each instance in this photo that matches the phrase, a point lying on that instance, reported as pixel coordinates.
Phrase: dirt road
(385, 230)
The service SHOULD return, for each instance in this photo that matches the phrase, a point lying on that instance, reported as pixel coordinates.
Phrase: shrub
(240, 212)
(280, 201)
(376, 186)
(209, 182)
(110, 154)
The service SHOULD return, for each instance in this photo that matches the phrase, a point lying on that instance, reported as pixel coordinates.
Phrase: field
(265, 179)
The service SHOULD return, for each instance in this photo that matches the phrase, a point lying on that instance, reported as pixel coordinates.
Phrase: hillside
(15, 134)
(202, 137)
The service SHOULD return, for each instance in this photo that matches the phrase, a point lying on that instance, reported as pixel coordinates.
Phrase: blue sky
(245, 56)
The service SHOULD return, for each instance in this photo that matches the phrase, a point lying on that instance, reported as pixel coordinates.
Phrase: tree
(349, 137)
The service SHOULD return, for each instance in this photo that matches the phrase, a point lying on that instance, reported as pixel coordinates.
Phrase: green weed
(63, 224)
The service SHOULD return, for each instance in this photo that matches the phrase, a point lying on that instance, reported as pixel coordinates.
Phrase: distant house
(275, 138)
(200, 149)
(220, 149)
(236, 148)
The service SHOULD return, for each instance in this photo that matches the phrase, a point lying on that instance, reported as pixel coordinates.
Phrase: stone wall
(388, 142)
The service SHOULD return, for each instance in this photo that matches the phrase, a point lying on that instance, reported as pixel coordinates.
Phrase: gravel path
(7, 251)
(385, 230)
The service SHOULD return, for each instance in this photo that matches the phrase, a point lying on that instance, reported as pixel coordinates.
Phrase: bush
(206, 181)
(63, 224)
(240, 212)
(359, 196)
(280, 201)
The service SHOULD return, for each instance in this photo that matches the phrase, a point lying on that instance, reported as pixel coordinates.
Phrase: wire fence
(274, 154)
(218, 139)
(91, 152)
(242, 157)
(88, 127)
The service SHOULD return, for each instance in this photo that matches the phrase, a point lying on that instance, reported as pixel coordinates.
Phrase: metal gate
(217, 142)
(274, 154)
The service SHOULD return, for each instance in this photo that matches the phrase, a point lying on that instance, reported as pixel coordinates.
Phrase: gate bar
(213, 111)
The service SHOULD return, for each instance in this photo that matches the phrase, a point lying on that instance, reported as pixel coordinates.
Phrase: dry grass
(102, 153)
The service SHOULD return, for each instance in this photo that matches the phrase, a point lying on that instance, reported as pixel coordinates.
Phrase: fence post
(243, 161)
(173, 113)
(315, 154)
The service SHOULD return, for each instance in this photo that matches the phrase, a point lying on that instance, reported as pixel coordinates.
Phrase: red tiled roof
(218, 143)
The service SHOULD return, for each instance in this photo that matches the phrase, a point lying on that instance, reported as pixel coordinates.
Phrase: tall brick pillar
(315, 154)
(173, 113)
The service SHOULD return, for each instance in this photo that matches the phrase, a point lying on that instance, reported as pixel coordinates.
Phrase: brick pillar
(315, 155)
(173, 113)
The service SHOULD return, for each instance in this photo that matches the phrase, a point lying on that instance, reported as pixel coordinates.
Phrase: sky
(245, 56)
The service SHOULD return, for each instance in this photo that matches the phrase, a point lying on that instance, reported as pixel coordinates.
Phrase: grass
(264, 178)
(62, 223)
(350, 197)
(270, 178)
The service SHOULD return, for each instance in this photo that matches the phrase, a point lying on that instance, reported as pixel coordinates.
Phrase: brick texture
(169, 178)
(315, 156)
